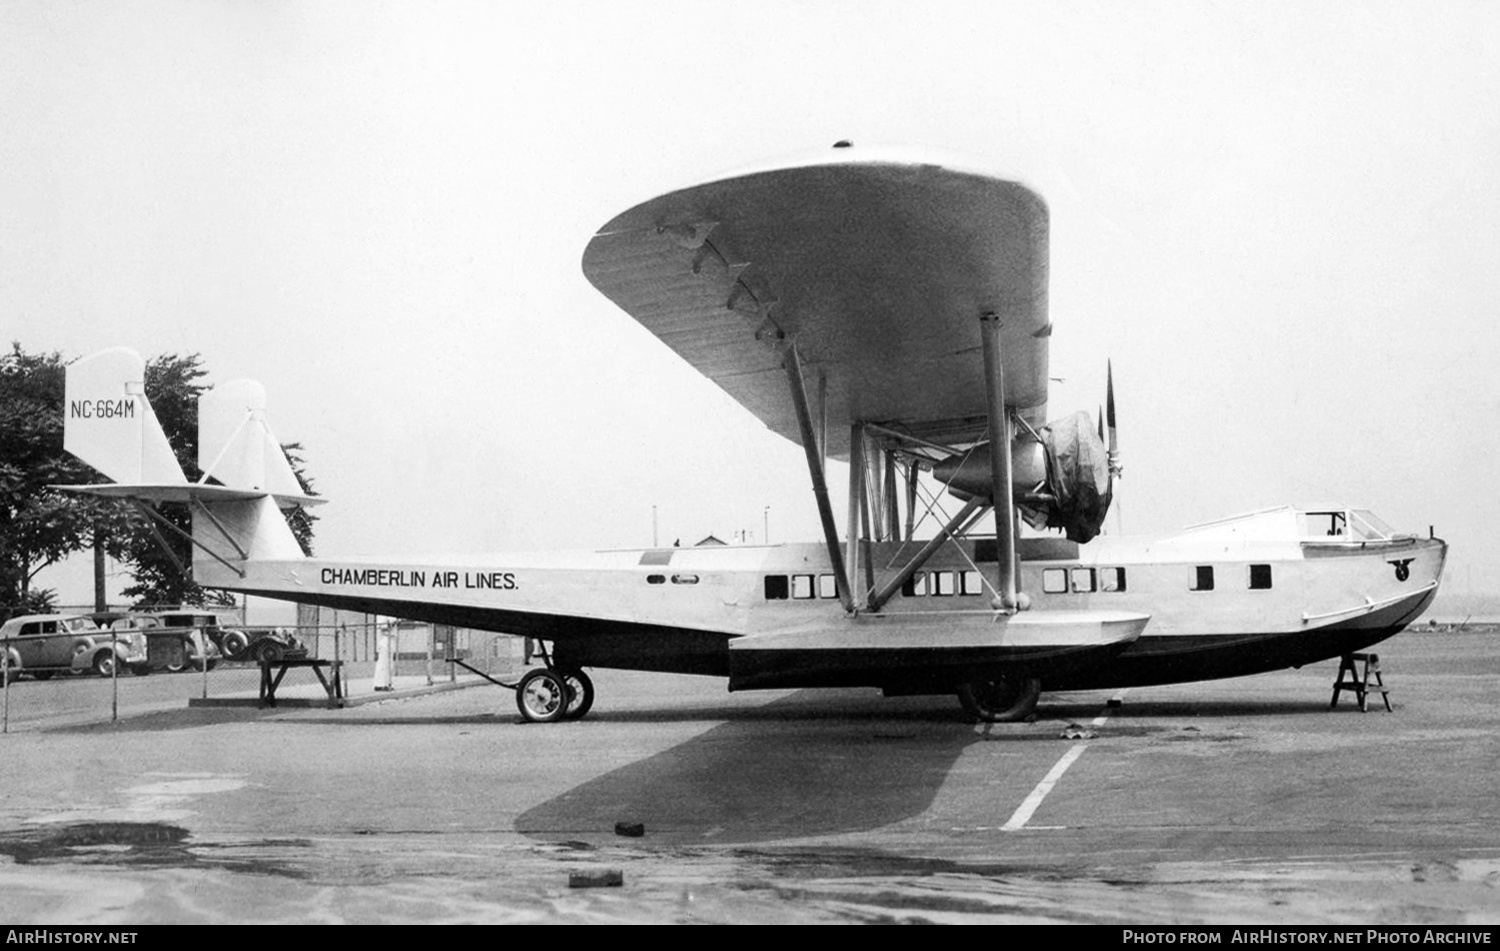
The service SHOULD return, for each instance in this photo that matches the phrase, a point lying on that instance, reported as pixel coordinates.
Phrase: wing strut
(857, 509)
(1007, 599)
(954, 526)
(792, 363)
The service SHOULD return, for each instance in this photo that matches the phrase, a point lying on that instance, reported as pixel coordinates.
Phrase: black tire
(37, 674)
(268, 651)
(580, 693)
(104, 663)
(234, 644)
(140, 670)
(542, 696)
(1008, 698)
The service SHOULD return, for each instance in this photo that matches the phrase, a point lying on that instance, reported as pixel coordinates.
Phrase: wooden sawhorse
(1359, 680)
(334, 687)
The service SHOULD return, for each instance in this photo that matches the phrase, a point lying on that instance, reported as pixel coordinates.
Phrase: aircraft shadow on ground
(735, 784)
(842, 768)
(838, 767)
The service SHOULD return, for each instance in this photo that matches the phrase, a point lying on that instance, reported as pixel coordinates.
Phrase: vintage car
(235, 642)
(170, 645)
(44, 644)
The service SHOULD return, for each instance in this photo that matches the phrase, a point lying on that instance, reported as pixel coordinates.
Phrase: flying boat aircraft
(882, 310)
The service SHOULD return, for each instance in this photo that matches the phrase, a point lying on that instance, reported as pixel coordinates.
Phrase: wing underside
(878, 271)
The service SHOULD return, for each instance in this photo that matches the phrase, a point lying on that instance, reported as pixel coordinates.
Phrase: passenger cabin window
(777, 588)
(1054, 580)
(662, 579)
(973, 582)
(1111, 579)
(684, 579)
(1082, 580)
(1260, 577)
(827, 587)
(1204, 578)
(916, 586)
(802, 587)
(944, 584)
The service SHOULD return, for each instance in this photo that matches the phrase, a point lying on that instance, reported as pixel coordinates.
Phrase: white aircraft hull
(714, 611)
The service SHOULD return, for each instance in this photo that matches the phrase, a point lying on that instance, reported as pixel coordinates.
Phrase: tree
(40, 525)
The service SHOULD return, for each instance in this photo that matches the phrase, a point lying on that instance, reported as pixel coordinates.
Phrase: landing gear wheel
(580, 693)
(1003, 699)
(542, 696)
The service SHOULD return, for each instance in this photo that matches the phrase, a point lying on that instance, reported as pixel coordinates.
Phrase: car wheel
(235, 643)
(104, 664)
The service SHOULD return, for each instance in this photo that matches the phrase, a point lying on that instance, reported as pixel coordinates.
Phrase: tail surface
(110, 425)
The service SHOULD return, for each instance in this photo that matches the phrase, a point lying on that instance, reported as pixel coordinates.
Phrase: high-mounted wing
(878, 270)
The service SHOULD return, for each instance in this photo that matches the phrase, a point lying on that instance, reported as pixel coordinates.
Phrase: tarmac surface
(1246, 801)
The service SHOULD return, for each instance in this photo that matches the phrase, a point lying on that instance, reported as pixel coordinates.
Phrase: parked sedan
(44, 644)
(235, 643)
(173, 643)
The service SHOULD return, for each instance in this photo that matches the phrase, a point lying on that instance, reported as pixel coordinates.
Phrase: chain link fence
(54, 673)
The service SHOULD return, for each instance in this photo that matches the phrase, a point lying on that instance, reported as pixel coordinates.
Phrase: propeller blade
(1109, 401)
(1109, 410)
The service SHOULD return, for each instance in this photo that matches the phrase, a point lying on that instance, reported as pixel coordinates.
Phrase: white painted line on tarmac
(1032, 802)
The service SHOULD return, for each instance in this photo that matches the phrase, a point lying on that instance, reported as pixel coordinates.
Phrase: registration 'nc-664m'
(101, 409)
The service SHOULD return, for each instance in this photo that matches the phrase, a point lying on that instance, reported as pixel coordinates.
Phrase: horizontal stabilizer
(159, 492)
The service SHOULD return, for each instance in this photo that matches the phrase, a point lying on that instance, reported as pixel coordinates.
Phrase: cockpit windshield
(1348, 524)
(1364, 525)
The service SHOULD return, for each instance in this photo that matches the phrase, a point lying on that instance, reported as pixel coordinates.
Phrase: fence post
(114, 676)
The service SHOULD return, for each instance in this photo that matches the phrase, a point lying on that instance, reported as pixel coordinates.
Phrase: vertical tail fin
(236, 445)
(109, 423)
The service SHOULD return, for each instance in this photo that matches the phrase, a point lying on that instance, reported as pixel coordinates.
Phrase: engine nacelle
(1063, 481)
(968, 477)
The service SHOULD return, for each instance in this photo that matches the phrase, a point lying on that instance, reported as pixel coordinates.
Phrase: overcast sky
(1281, 221)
